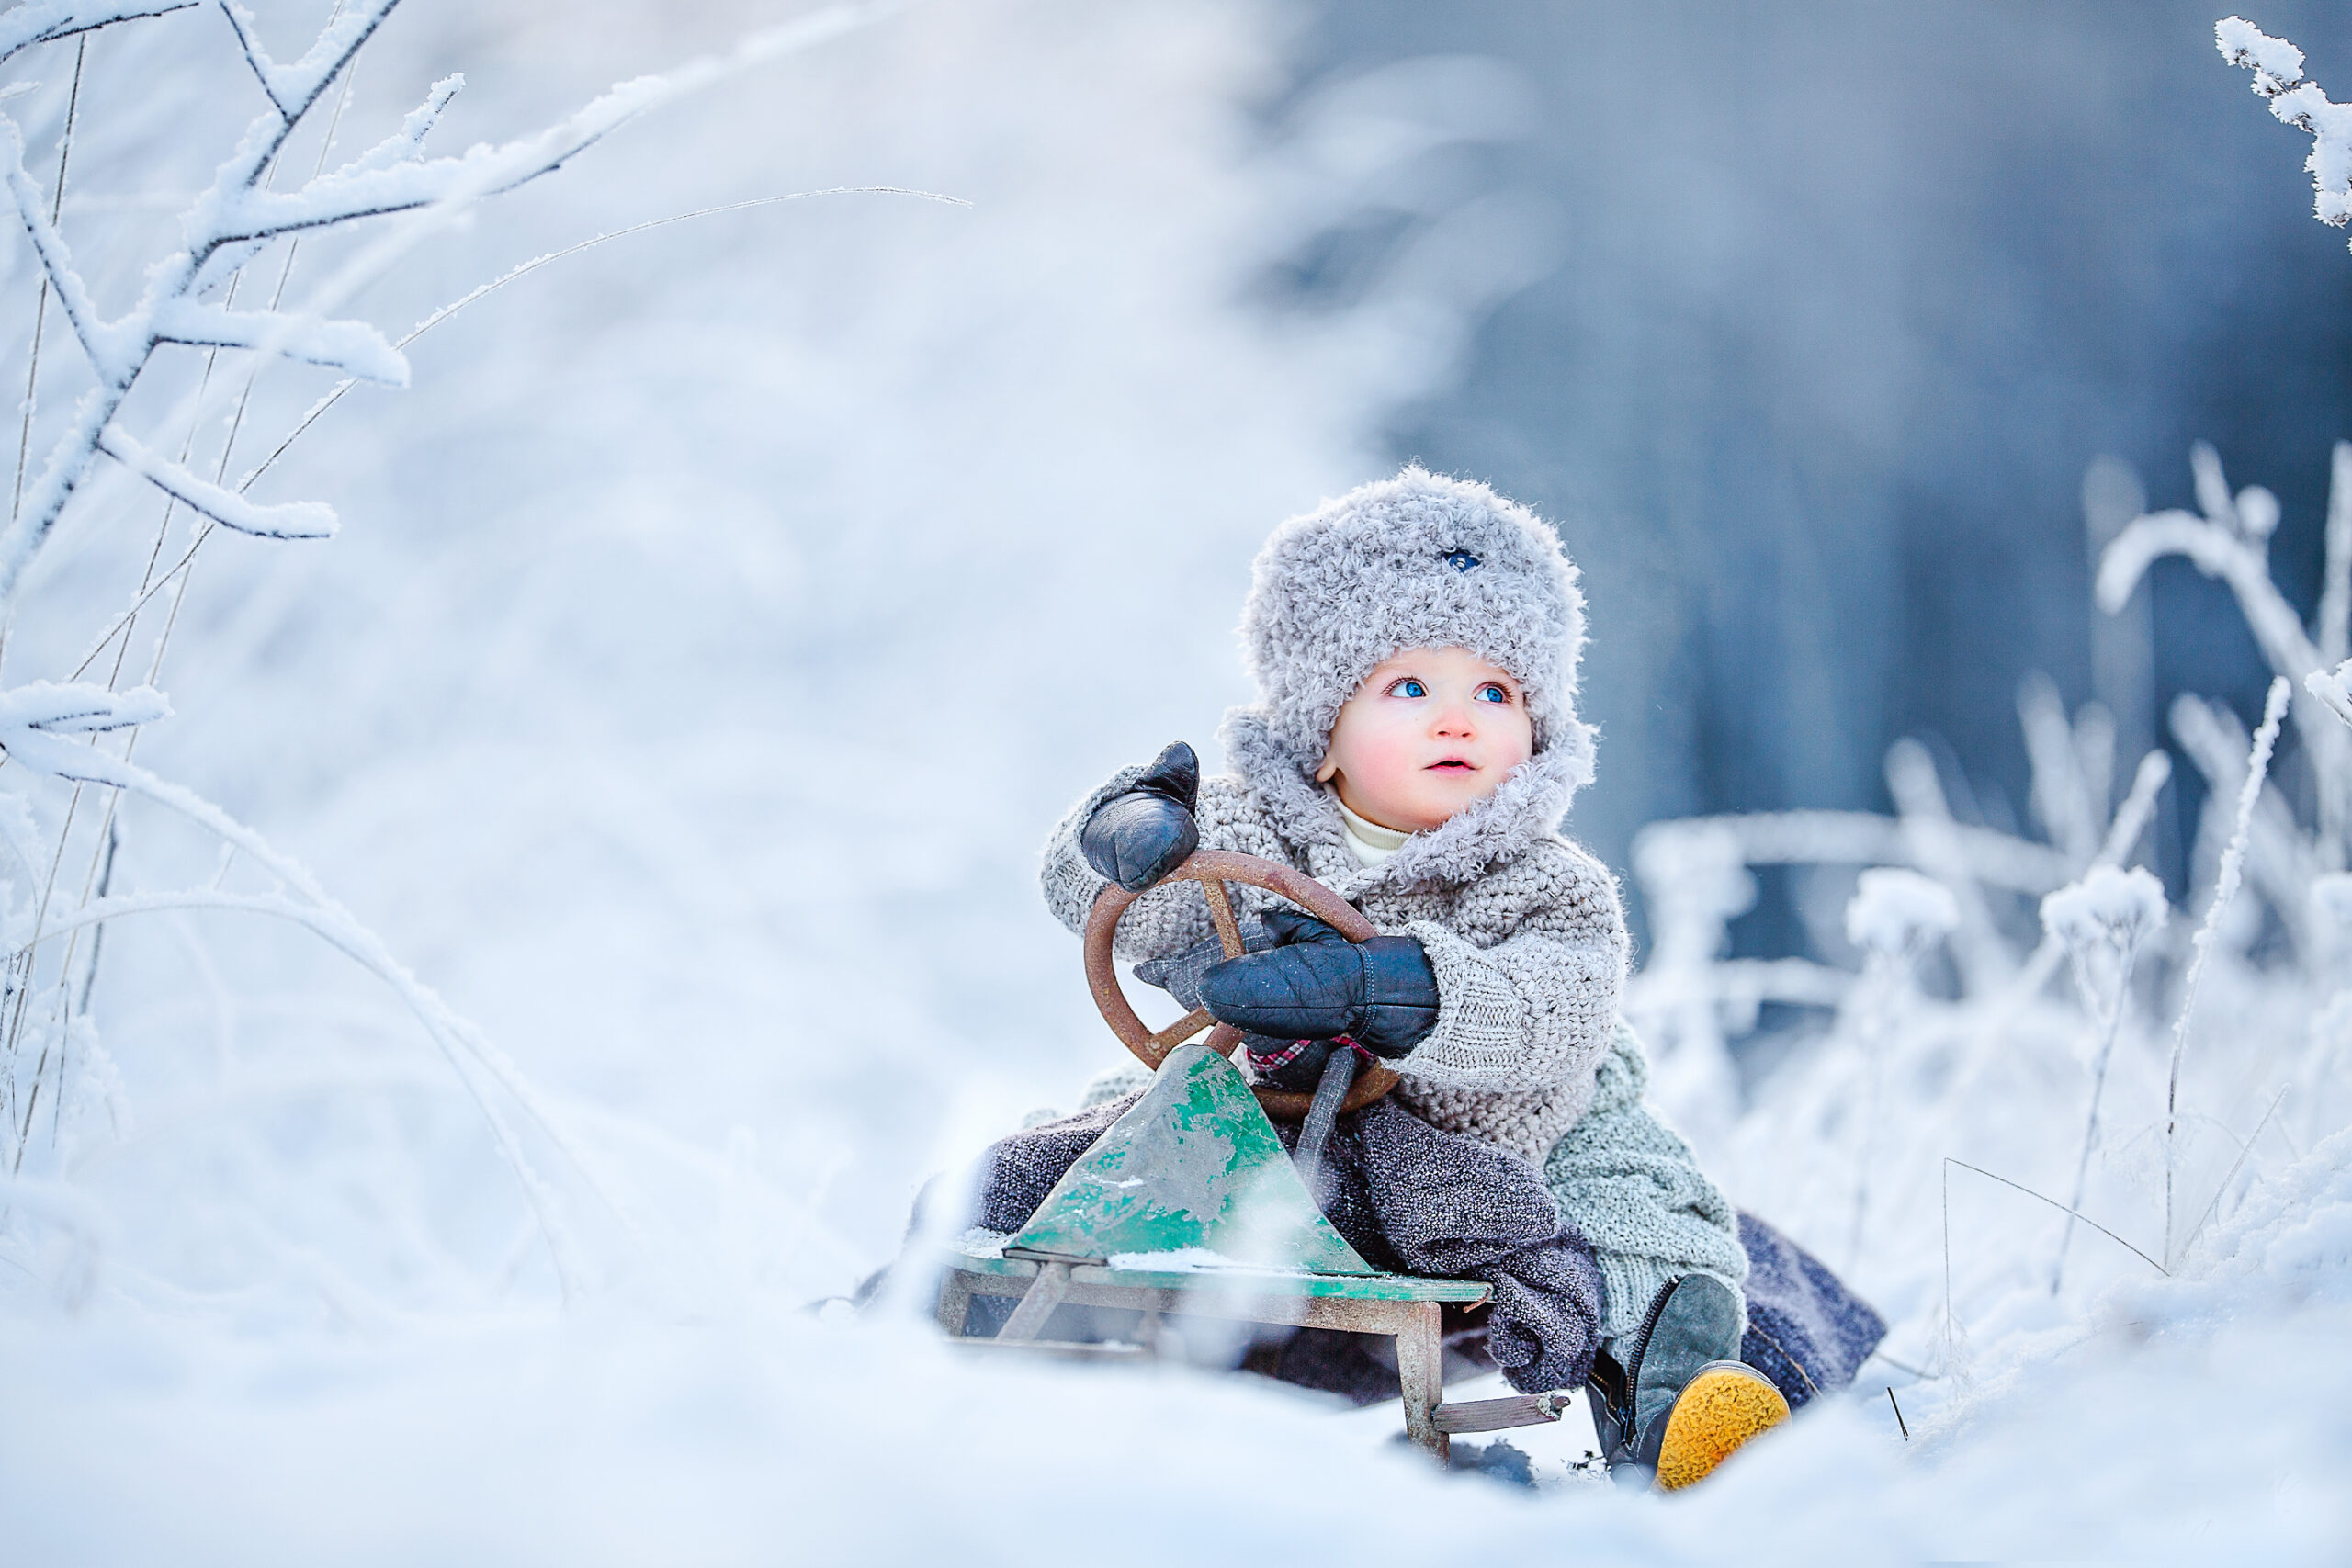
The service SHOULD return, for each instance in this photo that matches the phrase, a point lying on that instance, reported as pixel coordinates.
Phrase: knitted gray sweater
(1522, 927)
(1526, 936)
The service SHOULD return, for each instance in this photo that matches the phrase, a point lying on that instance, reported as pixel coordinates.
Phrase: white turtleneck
(1368, 841)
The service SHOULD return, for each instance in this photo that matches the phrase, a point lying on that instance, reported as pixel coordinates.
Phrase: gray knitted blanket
(1411, 1200)
(1631, 1184)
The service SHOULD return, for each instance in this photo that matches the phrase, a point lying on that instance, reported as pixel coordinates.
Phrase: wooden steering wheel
(1213, 869)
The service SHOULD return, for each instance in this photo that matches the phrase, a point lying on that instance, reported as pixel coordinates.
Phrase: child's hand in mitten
(1140, 835)
(1315, 984)
(1295, 1065)
(1178, 974)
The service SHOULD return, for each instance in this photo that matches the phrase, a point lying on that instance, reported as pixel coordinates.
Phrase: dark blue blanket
(1805, 1330)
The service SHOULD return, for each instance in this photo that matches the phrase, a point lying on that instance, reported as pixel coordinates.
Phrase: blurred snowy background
(723, 613)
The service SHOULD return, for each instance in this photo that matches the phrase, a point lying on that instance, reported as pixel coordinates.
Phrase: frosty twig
(2111, 911)
(2225, 886)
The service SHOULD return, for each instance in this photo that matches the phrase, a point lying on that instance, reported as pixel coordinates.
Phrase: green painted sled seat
(1190, 1204)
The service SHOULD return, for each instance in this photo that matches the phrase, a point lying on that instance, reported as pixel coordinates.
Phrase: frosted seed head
(1898, 911)
(2123, 907)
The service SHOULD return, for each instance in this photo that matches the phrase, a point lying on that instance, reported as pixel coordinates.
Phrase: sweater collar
(1368, 841)
(1525, 807)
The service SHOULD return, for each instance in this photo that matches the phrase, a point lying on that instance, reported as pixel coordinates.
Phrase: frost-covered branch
(408, 141)
(36, 719)
(237, 213)
(2336, 592)
(1936, 849)
(1861, 837)
(501, 169)
(2230, 542)
(355, 348)
(2218, 551)
(46, 21)
(2063, 793)
(292, 89)
(2277, 68)
(112, 352)
(2279, 858)
(2131, 817)
(334, 394)
(292, 520)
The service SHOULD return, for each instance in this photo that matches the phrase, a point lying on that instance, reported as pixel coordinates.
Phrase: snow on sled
(1189, 1204)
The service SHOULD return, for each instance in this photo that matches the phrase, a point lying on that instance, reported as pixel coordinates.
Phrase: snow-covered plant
(2183, 1047)
(2332, 687)
(2277, 68)
(2225, 888)
(2221, 543)
(1896, 916)
(82, 730)
(2103, 919)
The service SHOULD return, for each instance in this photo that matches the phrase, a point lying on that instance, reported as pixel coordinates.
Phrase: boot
(1680, 1404)
(1726, 1404)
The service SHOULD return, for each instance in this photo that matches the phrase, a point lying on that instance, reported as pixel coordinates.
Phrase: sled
(1189, 1204)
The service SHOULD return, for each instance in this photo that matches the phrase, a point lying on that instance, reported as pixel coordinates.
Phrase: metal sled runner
(1189, 1204)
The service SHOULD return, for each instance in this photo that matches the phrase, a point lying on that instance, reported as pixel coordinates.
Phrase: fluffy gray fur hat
(1417, 561)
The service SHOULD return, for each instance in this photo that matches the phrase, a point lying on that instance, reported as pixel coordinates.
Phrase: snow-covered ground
(717, 622)
(2198, 1418)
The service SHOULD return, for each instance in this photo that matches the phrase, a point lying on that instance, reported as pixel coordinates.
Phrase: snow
(567, 916)
(1182, 1260)
(2150, 1430)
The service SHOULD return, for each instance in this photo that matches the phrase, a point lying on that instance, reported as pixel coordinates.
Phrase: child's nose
(1455, 721)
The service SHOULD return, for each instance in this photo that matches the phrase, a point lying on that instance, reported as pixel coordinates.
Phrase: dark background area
(1842, 303)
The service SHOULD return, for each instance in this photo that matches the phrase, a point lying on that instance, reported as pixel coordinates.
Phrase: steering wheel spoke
(1213, 869)
(1228, 930)
(1183, 1029)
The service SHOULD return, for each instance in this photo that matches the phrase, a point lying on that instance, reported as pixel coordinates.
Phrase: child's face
(1427, 732)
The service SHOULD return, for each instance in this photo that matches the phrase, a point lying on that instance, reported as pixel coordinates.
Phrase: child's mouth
(1452, 765)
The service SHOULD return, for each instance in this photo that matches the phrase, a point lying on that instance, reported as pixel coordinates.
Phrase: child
(1415, 643)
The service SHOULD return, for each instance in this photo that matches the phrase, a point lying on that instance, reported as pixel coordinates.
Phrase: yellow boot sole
(1718, 1410)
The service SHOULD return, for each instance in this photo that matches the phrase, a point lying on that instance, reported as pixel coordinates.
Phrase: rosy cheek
(1389, 758)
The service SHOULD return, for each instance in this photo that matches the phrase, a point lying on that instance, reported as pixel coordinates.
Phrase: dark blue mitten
(1315, 984)
(1144, 832)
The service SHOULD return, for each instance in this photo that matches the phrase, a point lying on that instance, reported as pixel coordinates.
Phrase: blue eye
(1490, 692)
(1460, 560)
(1408, 687)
